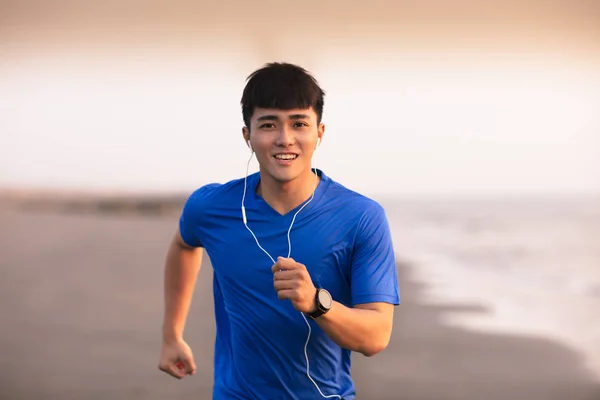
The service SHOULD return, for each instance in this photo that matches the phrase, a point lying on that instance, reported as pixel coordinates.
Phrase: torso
(261, 339)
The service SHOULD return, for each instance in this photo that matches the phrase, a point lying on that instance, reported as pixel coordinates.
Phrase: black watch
(323, 301)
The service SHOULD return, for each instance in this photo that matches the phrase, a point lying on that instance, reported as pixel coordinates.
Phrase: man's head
(282, 107)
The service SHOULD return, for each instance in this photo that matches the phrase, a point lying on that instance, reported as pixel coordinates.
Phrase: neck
(285, 196)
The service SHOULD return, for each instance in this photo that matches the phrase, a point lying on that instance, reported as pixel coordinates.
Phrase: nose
(285, 137)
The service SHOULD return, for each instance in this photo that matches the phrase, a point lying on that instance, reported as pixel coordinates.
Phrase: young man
(304, 268)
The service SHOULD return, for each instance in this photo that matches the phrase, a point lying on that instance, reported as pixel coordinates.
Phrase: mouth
(285, 156)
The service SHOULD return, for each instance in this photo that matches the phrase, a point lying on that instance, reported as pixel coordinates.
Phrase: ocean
(534, 264)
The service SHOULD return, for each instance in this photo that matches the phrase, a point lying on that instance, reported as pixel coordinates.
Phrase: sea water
(534, 263)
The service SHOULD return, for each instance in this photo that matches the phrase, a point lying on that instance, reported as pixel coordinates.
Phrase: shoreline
(94, 203)
(168, 202)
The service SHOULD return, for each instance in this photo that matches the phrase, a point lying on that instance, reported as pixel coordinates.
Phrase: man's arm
(182, 265)
(181, 271)
(366, 328)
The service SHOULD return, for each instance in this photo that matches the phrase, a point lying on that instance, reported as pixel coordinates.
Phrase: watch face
(325, 298)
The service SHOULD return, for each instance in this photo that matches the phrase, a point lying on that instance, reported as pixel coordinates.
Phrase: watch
(323, 301)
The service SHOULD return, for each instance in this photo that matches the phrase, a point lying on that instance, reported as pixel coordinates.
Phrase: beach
(81, 307)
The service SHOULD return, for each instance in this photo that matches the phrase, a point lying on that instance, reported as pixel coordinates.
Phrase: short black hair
(284, 86)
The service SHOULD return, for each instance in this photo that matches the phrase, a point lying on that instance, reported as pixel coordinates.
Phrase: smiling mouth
(286, 157)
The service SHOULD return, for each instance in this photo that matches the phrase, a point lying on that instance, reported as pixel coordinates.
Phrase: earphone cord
(288, 256)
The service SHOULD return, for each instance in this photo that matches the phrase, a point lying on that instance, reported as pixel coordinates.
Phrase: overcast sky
(457, 98)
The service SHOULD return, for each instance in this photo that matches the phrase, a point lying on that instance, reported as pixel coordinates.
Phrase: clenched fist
(292, 281)
(176, 359)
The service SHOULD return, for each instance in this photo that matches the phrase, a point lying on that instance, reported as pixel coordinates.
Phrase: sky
(453, 98)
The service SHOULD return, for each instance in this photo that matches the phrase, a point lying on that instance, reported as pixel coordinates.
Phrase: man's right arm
(181, 270)
(182, 265)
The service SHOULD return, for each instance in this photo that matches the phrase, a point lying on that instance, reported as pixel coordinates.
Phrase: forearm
(361, 330)
(181, 271)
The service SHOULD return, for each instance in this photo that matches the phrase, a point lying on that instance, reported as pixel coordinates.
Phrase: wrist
(313, 305)
(322, 303)
(171, 336)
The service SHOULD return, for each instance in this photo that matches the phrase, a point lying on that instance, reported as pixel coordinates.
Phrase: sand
(81, 308)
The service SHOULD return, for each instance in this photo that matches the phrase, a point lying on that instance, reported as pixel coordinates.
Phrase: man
(304, 268)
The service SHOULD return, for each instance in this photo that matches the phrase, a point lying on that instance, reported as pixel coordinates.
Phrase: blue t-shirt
(343, 239)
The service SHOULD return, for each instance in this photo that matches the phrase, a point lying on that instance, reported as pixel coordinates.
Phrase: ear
(246, 136)
(320, 133)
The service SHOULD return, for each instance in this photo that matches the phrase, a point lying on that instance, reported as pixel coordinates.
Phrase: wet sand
(81, 308)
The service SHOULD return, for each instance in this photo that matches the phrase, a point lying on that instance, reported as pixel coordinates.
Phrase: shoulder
(351, 203)
(213, 194)
(362, 215)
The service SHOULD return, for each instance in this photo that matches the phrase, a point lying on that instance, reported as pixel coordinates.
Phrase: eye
(267, 126)
(300, 124)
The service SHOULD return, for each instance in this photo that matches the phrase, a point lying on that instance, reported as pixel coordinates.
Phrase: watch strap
(320, 309)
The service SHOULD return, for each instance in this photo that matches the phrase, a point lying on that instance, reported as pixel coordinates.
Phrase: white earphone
(245, 220)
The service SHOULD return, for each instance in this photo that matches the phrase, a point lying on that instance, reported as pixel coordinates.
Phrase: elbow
(376, 346)
(370, 353)
(373, 350)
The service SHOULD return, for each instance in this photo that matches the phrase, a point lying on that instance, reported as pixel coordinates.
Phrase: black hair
(284, 86)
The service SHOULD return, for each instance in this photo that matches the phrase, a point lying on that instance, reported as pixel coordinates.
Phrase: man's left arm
(367, 326)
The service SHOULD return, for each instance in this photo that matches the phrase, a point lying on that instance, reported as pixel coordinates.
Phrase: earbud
(249, 145)
(318, 143)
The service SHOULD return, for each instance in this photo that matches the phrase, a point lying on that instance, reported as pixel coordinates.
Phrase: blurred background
(475, 124)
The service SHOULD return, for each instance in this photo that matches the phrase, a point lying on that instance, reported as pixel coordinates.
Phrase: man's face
(284, 141)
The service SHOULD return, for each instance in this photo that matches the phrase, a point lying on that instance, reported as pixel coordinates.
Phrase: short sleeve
(192, 215)
(374, 277)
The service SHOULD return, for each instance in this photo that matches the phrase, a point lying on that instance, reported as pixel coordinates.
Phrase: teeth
(286, 156)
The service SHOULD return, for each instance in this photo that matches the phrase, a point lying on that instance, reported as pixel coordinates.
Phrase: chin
(283, 175)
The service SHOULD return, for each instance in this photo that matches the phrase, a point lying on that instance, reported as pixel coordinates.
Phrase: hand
(176, 359)
(292, 281)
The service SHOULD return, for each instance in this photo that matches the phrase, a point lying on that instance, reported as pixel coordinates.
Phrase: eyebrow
(275, 118)
(299, 116)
